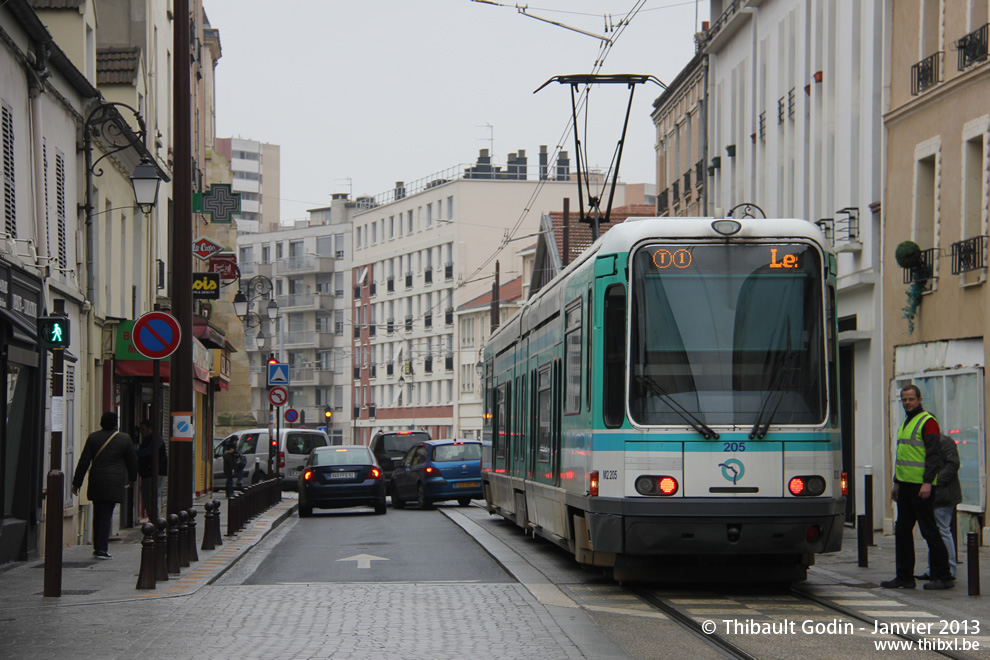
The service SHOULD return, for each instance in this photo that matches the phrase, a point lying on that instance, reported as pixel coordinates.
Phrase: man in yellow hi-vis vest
(915, 470)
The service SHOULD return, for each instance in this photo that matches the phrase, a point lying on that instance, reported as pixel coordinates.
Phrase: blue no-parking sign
(156, 335)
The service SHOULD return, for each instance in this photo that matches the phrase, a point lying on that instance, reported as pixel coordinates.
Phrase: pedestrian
(149, 498)
(230, 465)
(948, 494)
(114, 464)
(915, 480)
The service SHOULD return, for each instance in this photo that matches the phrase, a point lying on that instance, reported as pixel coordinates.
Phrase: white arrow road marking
(363, 561)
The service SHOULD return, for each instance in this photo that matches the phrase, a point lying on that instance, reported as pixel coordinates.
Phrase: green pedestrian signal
(53, 331)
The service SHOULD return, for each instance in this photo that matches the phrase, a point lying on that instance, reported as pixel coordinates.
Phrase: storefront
(22, 436)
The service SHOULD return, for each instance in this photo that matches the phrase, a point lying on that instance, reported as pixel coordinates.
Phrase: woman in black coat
(114, 463)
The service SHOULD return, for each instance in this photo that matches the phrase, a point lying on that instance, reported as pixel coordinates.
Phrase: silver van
(294, 447)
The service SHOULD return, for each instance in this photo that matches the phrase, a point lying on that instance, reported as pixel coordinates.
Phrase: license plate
(294, 473)
(343, 475)
(467, 484)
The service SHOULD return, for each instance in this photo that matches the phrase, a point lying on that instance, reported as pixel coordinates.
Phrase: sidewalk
(86, 580)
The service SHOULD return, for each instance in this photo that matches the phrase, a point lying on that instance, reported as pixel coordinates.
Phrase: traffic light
(271, 359)
(53, 331)
(328, 413)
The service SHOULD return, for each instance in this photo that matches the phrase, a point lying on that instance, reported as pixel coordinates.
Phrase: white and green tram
(669, 401)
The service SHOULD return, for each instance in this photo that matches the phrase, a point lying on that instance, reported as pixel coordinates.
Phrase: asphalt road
(355, 545)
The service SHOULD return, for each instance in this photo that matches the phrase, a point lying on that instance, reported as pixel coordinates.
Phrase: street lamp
(480, 368)
(258, 287)
(106, 123)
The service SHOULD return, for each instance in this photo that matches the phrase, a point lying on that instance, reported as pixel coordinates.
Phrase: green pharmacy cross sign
(218, 201)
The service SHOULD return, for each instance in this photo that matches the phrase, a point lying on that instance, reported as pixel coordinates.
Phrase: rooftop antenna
(630, 80)
(491, 138)
(350, 184)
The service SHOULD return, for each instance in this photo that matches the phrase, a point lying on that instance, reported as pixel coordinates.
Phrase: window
(572, 348)
(9, 198)
(956, 400)
(543, 415)
(615, 358)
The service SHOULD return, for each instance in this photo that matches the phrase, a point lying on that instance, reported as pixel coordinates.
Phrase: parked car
(438, 470)
(294, 446)
(390, 446)
(341, 476)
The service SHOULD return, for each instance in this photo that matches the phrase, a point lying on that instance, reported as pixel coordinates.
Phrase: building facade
(936, 311)
(256, 168)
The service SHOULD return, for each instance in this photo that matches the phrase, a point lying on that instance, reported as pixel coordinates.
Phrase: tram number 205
(733, 446)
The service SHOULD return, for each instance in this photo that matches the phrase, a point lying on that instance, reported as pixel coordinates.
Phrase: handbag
(105, 444)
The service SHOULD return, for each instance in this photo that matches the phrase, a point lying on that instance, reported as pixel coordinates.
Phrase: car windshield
(397, 444)
(465, 452)
(342, 456)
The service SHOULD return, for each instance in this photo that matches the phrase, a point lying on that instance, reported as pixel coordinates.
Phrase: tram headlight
(811, 485)
(649, 484)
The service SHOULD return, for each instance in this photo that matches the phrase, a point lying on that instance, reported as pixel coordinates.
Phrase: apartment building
(936, 307)
(421, 251)
(305, 269)
(793, 125)
(256, 168)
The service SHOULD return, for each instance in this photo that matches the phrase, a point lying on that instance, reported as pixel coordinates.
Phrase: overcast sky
(360, 94)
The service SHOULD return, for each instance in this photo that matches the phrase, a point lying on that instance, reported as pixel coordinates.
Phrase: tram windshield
(728, 334)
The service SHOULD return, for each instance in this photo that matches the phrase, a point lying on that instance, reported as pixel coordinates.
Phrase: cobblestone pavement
(350, 620)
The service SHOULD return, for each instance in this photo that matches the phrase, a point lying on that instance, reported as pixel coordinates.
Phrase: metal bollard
(862, 540)
(973, 562)
(183, 539)
(232, 515)
(161, 541)
(217, 534)
(868, 503)
(208, 539)
(146, 576)
(172, 549)
(193, 555)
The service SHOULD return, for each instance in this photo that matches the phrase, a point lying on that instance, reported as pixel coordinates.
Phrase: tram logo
(732, 470)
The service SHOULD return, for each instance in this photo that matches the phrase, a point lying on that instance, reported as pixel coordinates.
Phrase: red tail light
(281, 459)
(845, 484)
(796, 486)
(375, 473)
(431, 471)
(593, 486)
(668, 485)
(307, 475)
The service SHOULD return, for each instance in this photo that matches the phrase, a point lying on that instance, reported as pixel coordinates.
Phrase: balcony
(296, 300)
(298, 337)
(926, 73)
(323, 339)
(923, 272)
(252, 269)
(304, 264)
(304, 376)
(969, 254)
(973, 47)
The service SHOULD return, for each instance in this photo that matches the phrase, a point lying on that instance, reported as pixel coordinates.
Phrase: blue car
(341, 476)
(438, 470)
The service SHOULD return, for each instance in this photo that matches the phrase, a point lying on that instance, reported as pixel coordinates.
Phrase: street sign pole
(54, 502)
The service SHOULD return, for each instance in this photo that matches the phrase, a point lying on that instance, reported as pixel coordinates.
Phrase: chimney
(543, 162)
(563, 167)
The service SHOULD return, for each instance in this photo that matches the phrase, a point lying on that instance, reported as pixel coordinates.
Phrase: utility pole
(55, 486)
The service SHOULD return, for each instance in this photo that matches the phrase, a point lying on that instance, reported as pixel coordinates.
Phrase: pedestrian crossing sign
(278, 374)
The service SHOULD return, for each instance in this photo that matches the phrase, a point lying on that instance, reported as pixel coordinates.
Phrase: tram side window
(572, 346)
(544, 418)
(590, 323)
(614, 360)
(500, 428)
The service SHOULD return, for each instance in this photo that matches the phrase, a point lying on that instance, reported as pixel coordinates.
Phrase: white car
(294, 447)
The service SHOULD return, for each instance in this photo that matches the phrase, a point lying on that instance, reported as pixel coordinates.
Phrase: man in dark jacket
(149, 496)
(948, 494)
(114, 462)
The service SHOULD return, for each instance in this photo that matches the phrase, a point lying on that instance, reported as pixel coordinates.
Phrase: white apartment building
(255, 167)
(794, 126)
(308, 266)
(421, 251)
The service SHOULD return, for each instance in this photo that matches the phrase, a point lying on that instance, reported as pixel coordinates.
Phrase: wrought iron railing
(973, 47)
(969, 254)
(675, 188)
(699, 172)
(926, 73)
(925, 269)
(662, 203)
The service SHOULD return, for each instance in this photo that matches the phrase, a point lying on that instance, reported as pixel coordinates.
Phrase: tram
(667, 407)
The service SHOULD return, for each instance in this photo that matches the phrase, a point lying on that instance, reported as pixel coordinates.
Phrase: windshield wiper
(706, 432)
(761, 427)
